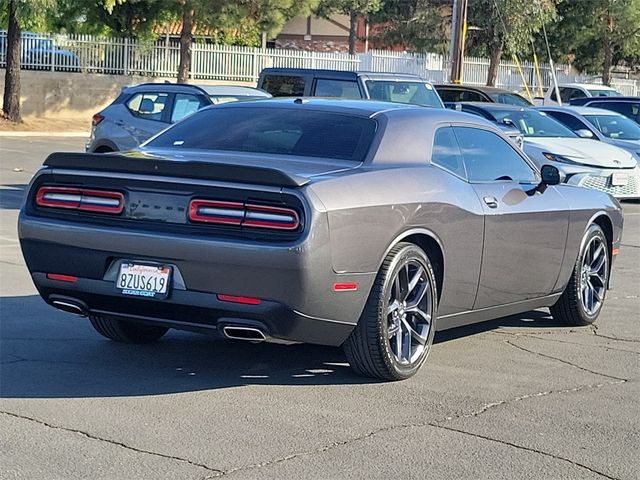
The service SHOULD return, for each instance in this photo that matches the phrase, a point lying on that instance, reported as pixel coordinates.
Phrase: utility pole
(458, 33)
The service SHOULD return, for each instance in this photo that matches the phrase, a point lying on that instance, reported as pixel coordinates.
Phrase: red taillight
(100, 201)
(243, 214)
(345, 287)
(208, 211)
(62, 278)
(237, 299)
(96, 119)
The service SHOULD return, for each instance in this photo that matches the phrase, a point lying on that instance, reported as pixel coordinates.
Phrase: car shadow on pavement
(12, 196)
(45, 353)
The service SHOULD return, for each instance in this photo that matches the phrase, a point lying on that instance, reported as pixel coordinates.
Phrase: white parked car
(570, 91)
(604, 125)
(583, 161)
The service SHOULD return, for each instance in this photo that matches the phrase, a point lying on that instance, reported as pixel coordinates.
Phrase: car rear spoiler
(172, 168)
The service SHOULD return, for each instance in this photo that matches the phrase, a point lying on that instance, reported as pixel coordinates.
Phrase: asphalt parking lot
(516, 398)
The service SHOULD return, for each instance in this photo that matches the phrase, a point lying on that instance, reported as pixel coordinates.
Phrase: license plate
(619, 179)
(140, 280)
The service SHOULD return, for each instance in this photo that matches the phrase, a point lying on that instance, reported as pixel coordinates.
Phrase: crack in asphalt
(566, 362)
(528, 449)
(435, 424)
(112, 442)
(594, 329)
(605, 347)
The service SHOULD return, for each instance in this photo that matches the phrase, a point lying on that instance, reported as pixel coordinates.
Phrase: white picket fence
(123, 56)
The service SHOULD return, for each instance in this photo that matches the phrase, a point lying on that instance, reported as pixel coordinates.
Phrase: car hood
(584, 150)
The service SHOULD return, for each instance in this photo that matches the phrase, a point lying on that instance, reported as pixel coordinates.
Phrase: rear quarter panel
(370, 211)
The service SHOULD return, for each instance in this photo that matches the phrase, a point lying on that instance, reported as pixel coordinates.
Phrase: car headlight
(562, 159)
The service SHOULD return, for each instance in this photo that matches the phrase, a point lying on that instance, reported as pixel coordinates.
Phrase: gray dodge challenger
(368, 225)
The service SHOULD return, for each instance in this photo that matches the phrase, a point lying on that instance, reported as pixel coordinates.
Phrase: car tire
(125, 331)
(372, 349)
(583, 297)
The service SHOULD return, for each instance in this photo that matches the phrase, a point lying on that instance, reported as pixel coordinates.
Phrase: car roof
(362, 108)
(587, 86)
(233, 90)
(489, 106)
(164, 87)
(342, 74)
(579, 110)
(584, 100)
(477, 88)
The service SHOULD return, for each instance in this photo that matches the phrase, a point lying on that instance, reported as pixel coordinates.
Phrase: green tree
(594, 35)
(419, 25)
(505, 26)
(19, 14)
(355, 9)
(256, 16)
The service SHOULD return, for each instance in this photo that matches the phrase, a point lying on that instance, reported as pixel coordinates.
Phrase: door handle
(491, 202)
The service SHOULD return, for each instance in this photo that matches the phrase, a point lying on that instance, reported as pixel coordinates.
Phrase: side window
(489, 158)
(148, 106)
(446, 152)
(577, 94)
(565, 94)
(337, 88)
(448, 95)
(568, 120)
(185, 104)
(628, 109)
(469, 96)
(284, 85)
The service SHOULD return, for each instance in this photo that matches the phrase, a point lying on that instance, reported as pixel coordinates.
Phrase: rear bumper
(294, 281)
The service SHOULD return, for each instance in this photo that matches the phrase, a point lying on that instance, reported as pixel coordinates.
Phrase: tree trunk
(494, 63)
(186, 40)
(353, 32)
(608, 53)
(11, 99)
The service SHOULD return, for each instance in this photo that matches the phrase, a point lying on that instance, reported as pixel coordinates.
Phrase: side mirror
(584, 133)
(550, 176)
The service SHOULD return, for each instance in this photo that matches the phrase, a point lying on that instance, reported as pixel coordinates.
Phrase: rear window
(284, 85)
(414, 93)
(272, 130)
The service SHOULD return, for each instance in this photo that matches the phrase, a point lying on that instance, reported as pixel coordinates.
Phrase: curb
(43, 134)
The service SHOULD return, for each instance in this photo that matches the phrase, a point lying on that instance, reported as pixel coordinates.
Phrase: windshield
(281, 131)
(415, 93)
(603, 93)
(510, 99)
(617, 127)
(532, 123)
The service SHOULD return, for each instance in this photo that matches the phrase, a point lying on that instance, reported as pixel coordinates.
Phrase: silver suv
(143, 110)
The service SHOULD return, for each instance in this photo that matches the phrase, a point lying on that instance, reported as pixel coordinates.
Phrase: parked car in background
(582, 161)
(600, 124)
(303, 221)
(143, 110)
(387, 87)
(572, 91)
(40, 52)
(510, 131)
(627, 106)
(473, 93)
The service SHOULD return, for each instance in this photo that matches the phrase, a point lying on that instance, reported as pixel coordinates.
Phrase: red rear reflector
(345, 287)
(236, 299)
(241, 214)
(62, 278)
(96, 119)
(100, 201)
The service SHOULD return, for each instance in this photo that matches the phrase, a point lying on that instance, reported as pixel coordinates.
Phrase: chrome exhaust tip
(237, 332)
(70, 307)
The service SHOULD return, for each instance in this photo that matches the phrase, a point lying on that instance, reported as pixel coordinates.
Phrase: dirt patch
(47, 125)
